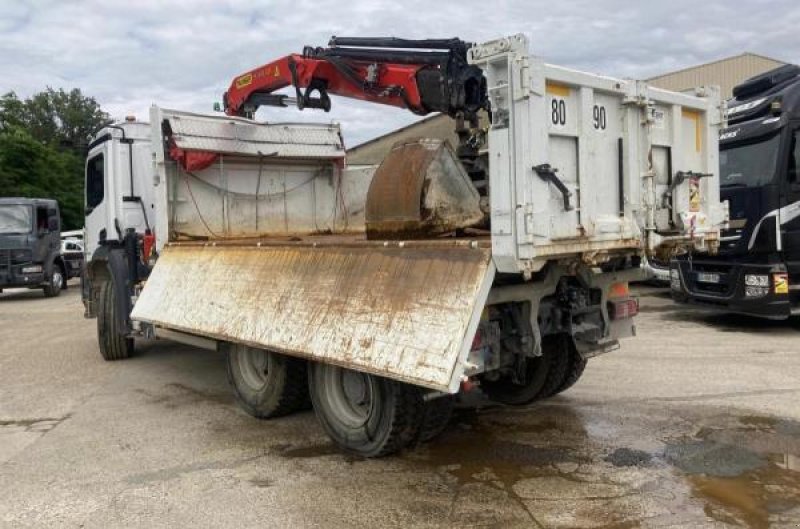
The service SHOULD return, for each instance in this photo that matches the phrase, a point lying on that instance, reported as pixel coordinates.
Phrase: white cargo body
(617, 145)
(266, 246)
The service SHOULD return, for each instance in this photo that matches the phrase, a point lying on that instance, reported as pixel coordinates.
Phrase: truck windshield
(15, 218)
(749, 165)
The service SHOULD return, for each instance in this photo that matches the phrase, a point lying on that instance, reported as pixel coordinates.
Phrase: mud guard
(116, 264)
(405, 311)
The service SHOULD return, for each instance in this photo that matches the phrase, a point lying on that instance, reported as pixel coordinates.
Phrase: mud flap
(404, 311)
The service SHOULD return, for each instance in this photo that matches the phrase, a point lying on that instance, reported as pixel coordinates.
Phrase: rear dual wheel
(267, 384)
(371, 416)
(364, 414)
(556, 370)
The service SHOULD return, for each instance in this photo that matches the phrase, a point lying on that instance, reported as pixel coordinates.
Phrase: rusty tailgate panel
(407, 313)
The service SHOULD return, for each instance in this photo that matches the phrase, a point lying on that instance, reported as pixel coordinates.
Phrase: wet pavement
(693, 423)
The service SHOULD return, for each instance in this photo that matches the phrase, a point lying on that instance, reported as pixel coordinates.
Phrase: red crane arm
(397, 86)
(388, 71)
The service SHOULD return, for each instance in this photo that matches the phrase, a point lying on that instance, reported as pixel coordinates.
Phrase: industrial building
(725, 73)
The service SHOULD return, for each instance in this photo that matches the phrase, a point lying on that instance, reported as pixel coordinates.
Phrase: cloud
(184, 54)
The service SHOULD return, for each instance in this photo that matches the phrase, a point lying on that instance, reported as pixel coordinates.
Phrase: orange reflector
(619, 290)
(781, 282)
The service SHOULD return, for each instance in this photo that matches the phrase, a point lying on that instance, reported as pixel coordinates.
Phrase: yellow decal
(244, 80)
(781, 283)
(694, 115)
(557, 89)
(694, 195)
(276, 72)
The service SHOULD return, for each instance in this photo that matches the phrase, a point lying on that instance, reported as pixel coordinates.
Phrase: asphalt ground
(693, 423)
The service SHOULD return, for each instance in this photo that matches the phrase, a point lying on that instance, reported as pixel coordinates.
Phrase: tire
(505, 391)
(267, 384)
(577, 365)
(435, 417)
(54, 283)
(113, 344)
(560, 350)
(364, 414)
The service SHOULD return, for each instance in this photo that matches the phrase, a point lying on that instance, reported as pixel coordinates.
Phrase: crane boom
(424, 76)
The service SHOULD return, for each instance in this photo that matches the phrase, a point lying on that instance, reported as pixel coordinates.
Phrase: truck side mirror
(52, 224)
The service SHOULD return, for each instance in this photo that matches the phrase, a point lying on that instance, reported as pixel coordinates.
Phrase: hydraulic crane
(423, 76)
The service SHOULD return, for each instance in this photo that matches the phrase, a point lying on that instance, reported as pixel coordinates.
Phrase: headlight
(756, 280)
(755, 292)
(35, 269)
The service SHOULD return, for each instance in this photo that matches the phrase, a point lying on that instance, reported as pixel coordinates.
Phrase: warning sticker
(694, 195)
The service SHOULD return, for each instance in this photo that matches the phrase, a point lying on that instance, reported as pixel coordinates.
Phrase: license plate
(706, 277)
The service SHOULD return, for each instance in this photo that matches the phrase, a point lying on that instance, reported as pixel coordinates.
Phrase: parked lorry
(30, 246)
(757, 270)
(379, 293)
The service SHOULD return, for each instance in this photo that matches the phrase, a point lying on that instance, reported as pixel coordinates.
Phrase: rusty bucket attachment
(420, 190)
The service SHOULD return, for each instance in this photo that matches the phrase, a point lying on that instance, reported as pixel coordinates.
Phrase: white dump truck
(377, 294)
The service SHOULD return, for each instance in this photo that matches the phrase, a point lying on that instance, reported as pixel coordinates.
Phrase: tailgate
(404, 311)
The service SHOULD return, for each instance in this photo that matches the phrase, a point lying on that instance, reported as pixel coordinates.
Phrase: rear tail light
(623, 308)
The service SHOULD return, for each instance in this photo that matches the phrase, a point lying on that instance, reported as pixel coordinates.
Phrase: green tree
(43, 143)
(63, 119)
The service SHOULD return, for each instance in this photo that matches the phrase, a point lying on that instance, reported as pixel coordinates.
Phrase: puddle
(566, 466)
(747, 475)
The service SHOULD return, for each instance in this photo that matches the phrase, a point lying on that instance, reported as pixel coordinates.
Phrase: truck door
(790, 206)
(97, 201)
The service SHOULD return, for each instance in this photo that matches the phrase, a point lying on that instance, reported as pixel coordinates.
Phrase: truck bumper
(20, 280)
(723, 286)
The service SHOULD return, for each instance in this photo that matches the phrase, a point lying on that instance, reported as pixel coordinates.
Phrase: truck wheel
(363, 414)
(560, 350)
(505, 391)
(113, 344)
(54, 283)
(577, 365)
(267, 384)
(436, 415)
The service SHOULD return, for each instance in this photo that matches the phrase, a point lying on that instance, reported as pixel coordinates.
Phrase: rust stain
(396, 311)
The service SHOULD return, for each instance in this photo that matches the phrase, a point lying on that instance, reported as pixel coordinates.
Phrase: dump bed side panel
(266, 179)
(407, 313)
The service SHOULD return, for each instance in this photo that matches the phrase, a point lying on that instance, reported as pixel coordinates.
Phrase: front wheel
(114, 345)
(364, 414)
(267, 384)
(54, 283)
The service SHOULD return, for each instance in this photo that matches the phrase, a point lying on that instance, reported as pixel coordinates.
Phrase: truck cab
(757, 270)
(30, 245)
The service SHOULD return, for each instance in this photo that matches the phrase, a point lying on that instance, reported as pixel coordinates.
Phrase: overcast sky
(183, 55)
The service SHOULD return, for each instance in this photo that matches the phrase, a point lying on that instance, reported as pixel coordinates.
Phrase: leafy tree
(43, 143)
(56, 117)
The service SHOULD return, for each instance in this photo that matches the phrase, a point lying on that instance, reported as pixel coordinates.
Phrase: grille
(15, 256)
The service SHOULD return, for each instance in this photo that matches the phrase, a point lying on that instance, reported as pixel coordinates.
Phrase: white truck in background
(381, 293)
